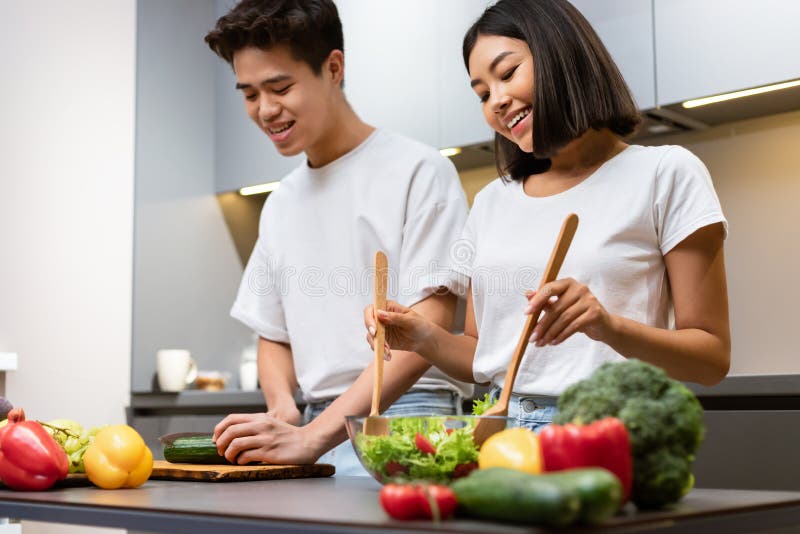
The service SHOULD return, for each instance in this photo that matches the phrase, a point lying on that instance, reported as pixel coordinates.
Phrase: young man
(310, 273)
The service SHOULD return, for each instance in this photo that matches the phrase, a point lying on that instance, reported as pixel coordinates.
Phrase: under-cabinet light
(259, 189)
(739, 94)
(449, 152)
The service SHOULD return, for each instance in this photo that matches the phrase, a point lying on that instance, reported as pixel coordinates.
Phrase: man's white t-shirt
(633, 210)
(311, 272)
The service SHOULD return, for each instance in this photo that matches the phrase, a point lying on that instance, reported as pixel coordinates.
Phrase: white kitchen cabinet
(706, 47)
(460, 117)
(404, 69)
(390, 64)
(626, 29)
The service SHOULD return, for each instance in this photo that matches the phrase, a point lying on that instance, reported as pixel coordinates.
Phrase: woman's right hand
(405, 328)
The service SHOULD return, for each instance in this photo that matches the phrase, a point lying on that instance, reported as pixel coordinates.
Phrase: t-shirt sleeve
(462, 254)
(258, 303)
(685, 198)
(437, 209)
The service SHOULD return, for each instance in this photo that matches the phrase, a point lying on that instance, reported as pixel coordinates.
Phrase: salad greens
(479, 406)
(406, 451)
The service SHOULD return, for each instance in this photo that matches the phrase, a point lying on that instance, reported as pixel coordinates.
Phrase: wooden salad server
(374, 424)
(486, 427)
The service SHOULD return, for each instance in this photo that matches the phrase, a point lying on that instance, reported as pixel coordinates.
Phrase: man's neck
(346, 132)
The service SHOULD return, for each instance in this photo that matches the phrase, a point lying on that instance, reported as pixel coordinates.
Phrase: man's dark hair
(577, 85)
(311, 29)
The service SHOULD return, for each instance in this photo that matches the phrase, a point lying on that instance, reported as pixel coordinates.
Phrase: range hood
(675, 118)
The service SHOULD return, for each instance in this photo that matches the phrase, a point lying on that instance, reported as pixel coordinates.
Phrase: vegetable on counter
(5, 407)
(193, 450)
(603, 443)
(118, 458)
(588, 495)
(515, 448)
(73, 438)
(30, 459)
(664, 421)
(418, 501)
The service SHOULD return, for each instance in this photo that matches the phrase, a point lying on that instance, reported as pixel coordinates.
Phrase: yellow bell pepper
(515, 448)
(118, 458)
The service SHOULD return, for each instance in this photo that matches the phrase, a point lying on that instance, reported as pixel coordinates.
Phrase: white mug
(248, 376)
(176, 369)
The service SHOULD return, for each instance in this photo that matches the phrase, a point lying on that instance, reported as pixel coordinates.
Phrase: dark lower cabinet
(750, 449)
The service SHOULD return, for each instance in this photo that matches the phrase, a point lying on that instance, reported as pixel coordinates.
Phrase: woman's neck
(575, 162)
(586, 153)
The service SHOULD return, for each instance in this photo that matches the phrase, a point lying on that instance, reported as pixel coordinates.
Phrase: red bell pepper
(604, 443)
(30, 459)
(418, 501)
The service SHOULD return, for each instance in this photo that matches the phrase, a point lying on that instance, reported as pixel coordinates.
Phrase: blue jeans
(415, 402)
(530, 411)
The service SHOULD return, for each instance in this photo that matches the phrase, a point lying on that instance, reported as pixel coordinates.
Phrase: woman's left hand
(568, 307)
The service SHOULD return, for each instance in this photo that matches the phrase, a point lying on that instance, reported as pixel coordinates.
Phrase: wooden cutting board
(236, 473)
(217, 473)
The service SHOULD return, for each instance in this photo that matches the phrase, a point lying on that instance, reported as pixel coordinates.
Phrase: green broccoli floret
(664, 421)
(659, 478)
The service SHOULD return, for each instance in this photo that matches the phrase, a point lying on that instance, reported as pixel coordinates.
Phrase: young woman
(649, 242)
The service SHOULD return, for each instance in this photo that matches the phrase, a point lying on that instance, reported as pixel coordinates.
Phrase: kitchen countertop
(347, 504)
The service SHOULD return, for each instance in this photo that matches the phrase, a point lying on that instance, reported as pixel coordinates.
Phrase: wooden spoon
(487, 427)
(374, 424)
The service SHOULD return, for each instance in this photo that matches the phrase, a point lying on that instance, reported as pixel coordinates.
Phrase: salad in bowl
(433, 448)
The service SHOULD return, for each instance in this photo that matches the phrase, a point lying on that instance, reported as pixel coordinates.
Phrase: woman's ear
(334, 66)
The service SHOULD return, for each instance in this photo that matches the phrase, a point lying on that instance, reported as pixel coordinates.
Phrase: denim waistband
(414, 402)
(527, 402)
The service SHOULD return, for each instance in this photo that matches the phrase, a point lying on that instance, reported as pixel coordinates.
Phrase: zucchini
(587, 495)
(193, 450)
(599, 490)
(504, 494)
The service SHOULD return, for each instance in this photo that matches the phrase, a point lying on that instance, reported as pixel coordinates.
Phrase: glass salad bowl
(433, 448)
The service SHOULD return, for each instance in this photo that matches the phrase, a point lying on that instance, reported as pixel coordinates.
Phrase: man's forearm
(276, 373)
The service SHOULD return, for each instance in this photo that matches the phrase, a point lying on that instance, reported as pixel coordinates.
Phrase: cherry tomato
(418, 501)
(395, 468)
(463, 470)
(423, 444)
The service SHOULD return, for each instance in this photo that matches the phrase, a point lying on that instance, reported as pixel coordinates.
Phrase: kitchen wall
(186, 269)
(66, 208)
(755, 166)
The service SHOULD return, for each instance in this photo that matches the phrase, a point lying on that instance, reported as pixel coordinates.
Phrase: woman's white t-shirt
(633, 210)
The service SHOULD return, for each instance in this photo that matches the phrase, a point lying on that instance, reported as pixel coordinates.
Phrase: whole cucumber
(599, 490)
(508, 495)
(193, 450)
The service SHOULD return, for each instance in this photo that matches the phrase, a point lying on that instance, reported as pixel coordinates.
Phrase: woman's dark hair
(577, 85)
(311, 28)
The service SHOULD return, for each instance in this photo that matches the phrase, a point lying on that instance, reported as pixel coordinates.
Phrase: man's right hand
(258, 437)
(288, 414)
